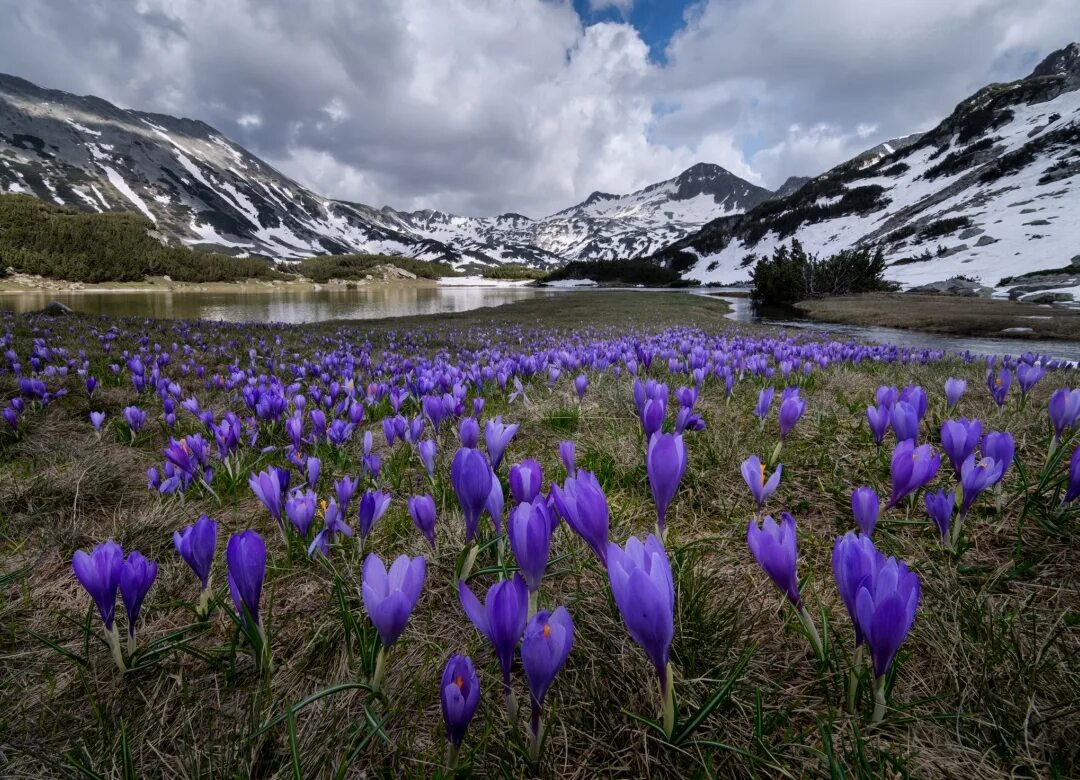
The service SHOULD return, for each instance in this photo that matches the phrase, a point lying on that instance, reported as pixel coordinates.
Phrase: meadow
(697, 653)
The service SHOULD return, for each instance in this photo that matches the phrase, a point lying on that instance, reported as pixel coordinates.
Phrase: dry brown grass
(987, 683)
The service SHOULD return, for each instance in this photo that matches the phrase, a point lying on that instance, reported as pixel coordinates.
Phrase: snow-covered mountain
(204, 190)
(992, 192)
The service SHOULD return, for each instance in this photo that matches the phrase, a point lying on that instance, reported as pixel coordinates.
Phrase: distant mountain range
(991, 193)
(204, 190)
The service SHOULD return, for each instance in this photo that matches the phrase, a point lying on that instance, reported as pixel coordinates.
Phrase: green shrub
(619, 272)
(355, 267)
(39, 238)
(793, 275)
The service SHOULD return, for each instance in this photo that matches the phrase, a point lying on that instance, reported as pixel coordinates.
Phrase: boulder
(986, 241)
(56, 309)
(958, 287)
(1048, 297)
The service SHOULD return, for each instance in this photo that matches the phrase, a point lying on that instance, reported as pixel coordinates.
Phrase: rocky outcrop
(959, 287)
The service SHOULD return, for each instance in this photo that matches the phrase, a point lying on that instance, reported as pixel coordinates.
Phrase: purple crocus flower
(96, 419)
(791, 409)
(344, 490)
(333, 524)
(582, 503)
(245, 556)
(878, 417)
(459, 696)
(998, 383)
(373, 506)
(642, 585)
(422, 512)
(885, 607)
(854, 559)
(959, 438)
(526, 478)
(426, 450)
(266, 485)
(501, 619)
(916, 397)
(764, 401)
(954, 389)
(1027, 376)
(495, 503)
(134, 417)
(545, 647)
(529, 530)
(1000, 447)
(136, 576)
(470, 475)
(1064, 410)
(567, 456)
(665, 462)
(99, 573)
(774, 547)
(390, 597)
(1072, 491)
(652, 416)
(313, 469)
(497, 436)
(905, 421)
(300, 509)
(886, 396)
(975, 477)
(470, 432)
(196, 544)
(911, 468)
(753, 473)
(581, 384)
(865, 505)
(940, 507)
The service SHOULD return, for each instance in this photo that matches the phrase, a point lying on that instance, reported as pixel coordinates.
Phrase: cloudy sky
(484, 106)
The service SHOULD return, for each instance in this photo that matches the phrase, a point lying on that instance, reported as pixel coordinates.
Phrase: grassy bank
(947, 314)
(985, 685)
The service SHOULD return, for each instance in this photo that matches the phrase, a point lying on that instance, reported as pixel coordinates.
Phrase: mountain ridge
(202, 189)
(990, 192)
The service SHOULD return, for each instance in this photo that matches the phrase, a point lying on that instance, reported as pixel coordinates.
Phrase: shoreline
(948, 314)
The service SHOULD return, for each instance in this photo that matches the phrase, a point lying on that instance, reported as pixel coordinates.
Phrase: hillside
(991, 193)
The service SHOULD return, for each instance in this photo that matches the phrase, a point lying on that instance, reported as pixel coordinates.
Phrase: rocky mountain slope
(201, 189)
(991, 193)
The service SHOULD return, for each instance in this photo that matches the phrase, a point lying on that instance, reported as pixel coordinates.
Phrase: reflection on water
(281, 305)
(743, 311)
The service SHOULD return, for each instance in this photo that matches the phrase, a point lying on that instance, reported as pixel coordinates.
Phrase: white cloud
(483, 106)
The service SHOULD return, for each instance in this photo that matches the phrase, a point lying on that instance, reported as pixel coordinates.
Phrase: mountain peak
(1063, 62)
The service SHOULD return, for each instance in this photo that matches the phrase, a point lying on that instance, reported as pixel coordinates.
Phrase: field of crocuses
(611, 535)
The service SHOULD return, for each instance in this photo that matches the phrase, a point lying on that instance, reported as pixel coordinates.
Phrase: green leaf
(715, 700)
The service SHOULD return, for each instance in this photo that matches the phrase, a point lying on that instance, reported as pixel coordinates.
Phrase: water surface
(292, 305)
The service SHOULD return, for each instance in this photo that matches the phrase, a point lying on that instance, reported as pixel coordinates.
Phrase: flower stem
(131, 642)
(536, 734)
(380, 670)
(451, 756)
(853, 678)
(879, 700)
(533, 598)
(667, 695)
(114, 645)
(811, 632)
